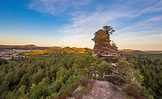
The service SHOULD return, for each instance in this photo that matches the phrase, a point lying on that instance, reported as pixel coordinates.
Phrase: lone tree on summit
(102, 36)
(108, 29)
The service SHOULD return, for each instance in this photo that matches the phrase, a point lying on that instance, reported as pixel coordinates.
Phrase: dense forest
(56, 75)
(3, 61)
(43, 76)
(150, 65)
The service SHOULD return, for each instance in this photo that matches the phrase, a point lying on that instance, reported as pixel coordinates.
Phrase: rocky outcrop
(104, 49)
(104, 90)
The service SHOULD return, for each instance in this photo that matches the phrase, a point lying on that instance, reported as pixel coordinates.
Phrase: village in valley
(13, 54)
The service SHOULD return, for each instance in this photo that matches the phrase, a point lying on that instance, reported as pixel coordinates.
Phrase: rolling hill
(26, 47)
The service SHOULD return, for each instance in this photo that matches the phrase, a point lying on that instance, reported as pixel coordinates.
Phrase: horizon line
(63, 46)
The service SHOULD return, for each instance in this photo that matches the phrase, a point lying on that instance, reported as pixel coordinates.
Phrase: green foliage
(102, 40)
(148, 72)
(102, 37)
(43, 76)
(84, 81)
(138, 76)
(55, 76)
(131, 90)
(3, 61)
(113, 45)
(123, 65)
(124, 70)
(108, 29)
(116, 80)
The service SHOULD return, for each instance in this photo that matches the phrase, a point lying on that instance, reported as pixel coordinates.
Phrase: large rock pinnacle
(103, 48)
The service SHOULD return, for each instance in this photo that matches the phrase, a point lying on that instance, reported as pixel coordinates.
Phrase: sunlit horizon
(72, 23)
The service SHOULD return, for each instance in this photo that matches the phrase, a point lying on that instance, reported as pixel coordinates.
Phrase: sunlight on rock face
(103, 48)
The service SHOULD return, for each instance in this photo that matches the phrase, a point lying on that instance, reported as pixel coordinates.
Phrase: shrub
(65, 94)
(84, 80)
(134, 91)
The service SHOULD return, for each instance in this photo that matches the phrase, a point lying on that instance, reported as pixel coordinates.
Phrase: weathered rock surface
(103, 90)
(103, 49)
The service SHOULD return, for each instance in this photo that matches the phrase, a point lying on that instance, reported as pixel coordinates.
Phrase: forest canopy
(57, 75)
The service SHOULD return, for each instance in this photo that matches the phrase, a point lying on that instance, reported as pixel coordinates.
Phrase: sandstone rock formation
(103, 48)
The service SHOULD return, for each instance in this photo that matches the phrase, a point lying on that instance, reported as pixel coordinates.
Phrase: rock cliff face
(103, 49)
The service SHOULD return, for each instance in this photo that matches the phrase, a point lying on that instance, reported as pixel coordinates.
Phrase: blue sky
(138, 23)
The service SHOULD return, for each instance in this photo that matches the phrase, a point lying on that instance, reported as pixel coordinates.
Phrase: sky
(137, 23)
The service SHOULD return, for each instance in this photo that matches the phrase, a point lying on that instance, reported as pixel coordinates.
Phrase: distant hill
(65, 50)
(26, 47)
(131, 51)
(34, 47)
(154, 52)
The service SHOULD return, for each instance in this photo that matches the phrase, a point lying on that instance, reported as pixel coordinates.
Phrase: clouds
(130, 19)
(48, 6)
(55, 6)
(155, 7)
